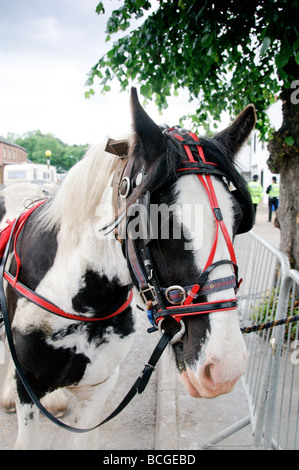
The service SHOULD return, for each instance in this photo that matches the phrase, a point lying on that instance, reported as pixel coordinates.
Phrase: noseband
(174, 301)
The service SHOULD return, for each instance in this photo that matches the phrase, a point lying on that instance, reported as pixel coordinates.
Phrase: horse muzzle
(206, 388)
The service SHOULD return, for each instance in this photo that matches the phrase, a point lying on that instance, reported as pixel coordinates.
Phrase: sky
(47, 48)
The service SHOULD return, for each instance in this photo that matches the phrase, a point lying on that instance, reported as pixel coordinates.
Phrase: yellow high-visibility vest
(256, 191)
(274, 191)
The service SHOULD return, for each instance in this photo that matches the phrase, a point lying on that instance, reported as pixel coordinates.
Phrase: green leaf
(289, 140)
(110, 53)
(145, 90)
(281, 60)
(207, 40)
(139, 3)
(124, 26)
(181, 5)
(265, 46)
(297, 58)
(100, 8)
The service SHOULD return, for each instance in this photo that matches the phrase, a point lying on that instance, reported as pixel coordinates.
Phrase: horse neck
(97, 250)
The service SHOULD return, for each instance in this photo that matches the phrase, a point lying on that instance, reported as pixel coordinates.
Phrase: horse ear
(234, 136)
(148, 136)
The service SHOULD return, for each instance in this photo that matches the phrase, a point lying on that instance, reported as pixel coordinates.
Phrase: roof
(5, 141)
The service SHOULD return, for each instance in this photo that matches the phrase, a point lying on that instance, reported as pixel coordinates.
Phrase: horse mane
(80, 193)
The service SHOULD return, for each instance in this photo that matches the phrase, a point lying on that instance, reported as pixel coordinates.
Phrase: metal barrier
(271, 379)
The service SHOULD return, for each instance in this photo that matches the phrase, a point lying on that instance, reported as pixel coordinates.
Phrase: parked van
(30, 173)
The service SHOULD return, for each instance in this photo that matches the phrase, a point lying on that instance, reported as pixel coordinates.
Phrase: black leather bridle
(178, 301)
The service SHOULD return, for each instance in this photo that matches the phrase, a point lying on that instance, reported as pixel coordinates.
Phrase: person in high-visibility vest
(256, 192)
(273, 193)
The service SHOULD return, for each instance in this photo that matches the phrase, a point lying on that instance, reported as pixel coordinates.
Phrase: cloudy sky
(47, 47)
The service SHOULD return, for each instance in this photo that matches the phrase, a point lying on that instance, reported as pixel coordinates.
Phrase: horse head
(183, 262)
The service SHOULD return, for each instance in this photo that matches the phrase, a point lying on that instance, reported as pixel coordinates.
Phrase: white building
(29, 173)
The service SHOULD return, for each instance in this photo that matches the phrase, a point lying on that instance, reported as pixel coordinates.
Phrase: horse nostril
(208, 371)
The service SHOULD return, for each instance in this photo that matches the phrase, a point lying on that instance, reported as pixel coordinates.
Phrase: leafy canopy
(227, 53)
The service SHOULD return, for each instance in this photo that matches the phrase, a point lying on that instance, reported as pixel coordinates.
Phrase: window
(4, 153)
(20, 175)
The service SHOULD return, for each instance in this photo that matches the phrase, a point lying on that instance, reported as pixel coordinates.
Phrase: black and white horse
(68, 260)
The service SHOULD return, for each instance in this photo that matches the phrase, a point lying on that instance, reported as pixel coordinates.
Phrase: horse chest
(87, 353)
(102, 349)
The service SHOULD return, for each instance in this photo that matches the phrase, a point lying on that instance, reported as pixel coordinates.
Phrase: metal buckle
(182, 294)
(150, 289)
(124, 186)
(178, 337)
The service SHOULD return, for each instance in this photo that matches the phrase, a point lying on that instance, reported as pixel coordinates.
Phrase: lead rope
(270, 324)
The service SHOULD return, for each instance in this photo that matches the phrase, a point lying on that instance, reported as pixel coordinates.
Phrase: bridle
(174, 301)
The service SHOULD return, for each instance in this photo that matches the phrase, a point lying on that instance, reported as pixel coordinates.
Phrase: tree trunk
(284, 159)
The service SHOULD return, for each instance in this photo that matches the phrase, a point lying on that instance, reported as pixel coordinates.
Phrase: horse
(135, 218)
(14, 199)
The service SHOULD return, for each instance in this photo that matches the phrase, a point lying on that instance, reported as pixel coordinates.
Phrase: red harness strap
(208, 186)
(52, 308)
(205, 307)
(15, 225)
(13, 230)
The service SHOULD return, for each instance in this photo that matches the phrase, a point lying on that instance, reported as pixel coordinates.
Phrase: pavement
(264, 228)
(164, 417)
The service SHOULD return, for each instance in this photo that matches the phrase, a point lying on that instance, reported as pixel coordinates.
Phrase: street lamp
(48, 154)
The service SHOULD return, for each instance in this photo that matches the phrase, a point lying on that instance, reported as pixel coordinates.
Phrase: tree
(63, 156)
(227, 54)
